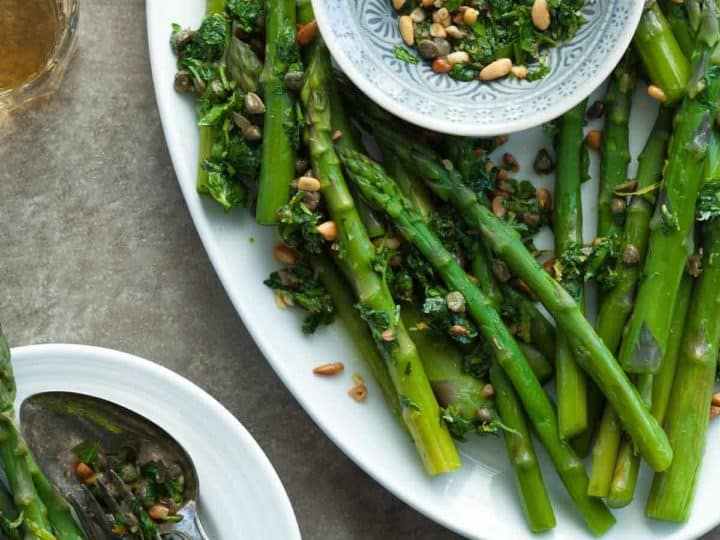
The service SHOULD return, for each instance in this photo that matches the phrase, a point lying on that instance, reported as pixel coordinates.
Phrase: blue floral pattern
(362, 35)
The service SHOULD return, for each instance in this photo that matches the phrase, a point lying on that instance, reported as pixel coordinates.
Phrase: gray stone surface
(97, 247)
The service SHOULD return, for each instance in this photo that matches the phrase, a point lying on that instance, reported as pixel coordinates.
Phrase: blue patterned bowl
(362, 34)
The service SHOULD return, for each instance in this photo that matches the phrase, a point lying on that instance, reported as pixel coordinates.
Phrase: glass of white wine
(37, 41)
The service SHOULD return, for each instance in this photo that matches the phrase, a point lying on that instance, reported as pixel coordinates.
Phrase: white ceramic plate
(240, 494)
(478, 501)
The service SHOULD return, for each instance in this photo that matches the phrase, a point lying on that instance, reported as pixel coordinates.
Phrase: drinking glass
(48, 78)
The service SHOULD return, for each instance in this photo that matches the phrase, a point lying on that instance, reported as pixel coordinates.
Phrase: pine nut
(83, 471)
(458, 57)
(498, 206)
(308, 183)
(158, 512)
(520, 72)
(437, 30)
(714, 411)
(427, 3)
(442, 16)
(454, 32)
(284, 254)
(417, 15)
(398, 4)
(328, 370)
(388, 335)
(544, 199)
(458, 330)
(540, 15)
(716, 399)
(359, 393)
(306, 33)
(441, 65)
(656, 93)
(470, 16)
(406, 29)
(488, 391)
(495, 70)
(328, 230)
(594, 139)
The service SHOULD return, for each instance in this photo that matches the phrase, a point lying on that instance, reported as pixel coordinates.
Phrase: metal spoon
(55, 422)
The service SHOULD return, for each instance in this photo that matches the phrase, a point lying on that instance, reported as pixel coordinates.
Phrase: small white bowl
(362, 35)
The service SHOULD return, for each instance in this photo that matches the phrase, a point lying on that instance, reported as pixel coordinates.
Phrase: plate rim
(87, 353)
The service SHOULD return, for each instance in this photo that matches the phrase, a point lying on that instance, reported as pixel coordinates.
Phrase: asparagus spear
(617, 303)
(13, 453)
(678, 21)
(664, 61)
(420, 411)
(381, 191)
(278, 151)
(542, 332)
(567, 218)
(616, 142)
(663, 383)
(207, 133)
(645, 341)
(462, 154)
(533, 494)
(349, 139)
(597, 360)
(672, 492)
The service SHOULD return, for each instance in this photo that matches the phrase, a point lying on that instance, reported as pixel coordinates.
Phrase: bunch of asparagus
(32, 510)
(429, 260)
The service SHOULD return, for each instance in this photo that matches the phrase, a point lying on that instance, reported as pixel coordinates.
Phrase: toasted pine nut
(520, 72)
(544, 199)
(442, 16)
(458, 330)
(488, 391)
(308, 183)
(454, 32)
(284, 254)
(398, 4)
(495, 70)
(714, 411)
(427, 3)
(417, 15)
(470, 16)
(306, 33)
(337, 134)
(594, 139)
(441, 65)
(83, 471)
(158, 512)
(458, 57)
(328, 230)
(328, 370)
(716, 399)
(388, 335)
(406, 29)
(656, 93)
(437, 30)
(540, 15)
(359, 393)
(498, 206)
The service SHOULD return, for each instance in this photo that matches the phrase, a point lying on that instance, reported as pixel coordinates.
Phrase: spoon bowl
(53, 423)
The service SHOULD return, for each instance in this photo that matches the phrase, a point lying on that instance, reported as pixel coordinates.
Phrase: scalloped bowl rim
(560, 107)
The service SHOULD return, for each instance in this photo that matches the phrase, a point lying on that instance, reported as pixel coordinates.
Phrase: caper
(183, 82)
(428, 49)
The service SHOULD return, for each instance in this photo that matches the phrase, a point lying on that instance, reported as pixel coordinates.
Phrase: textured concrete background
(97, 247)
